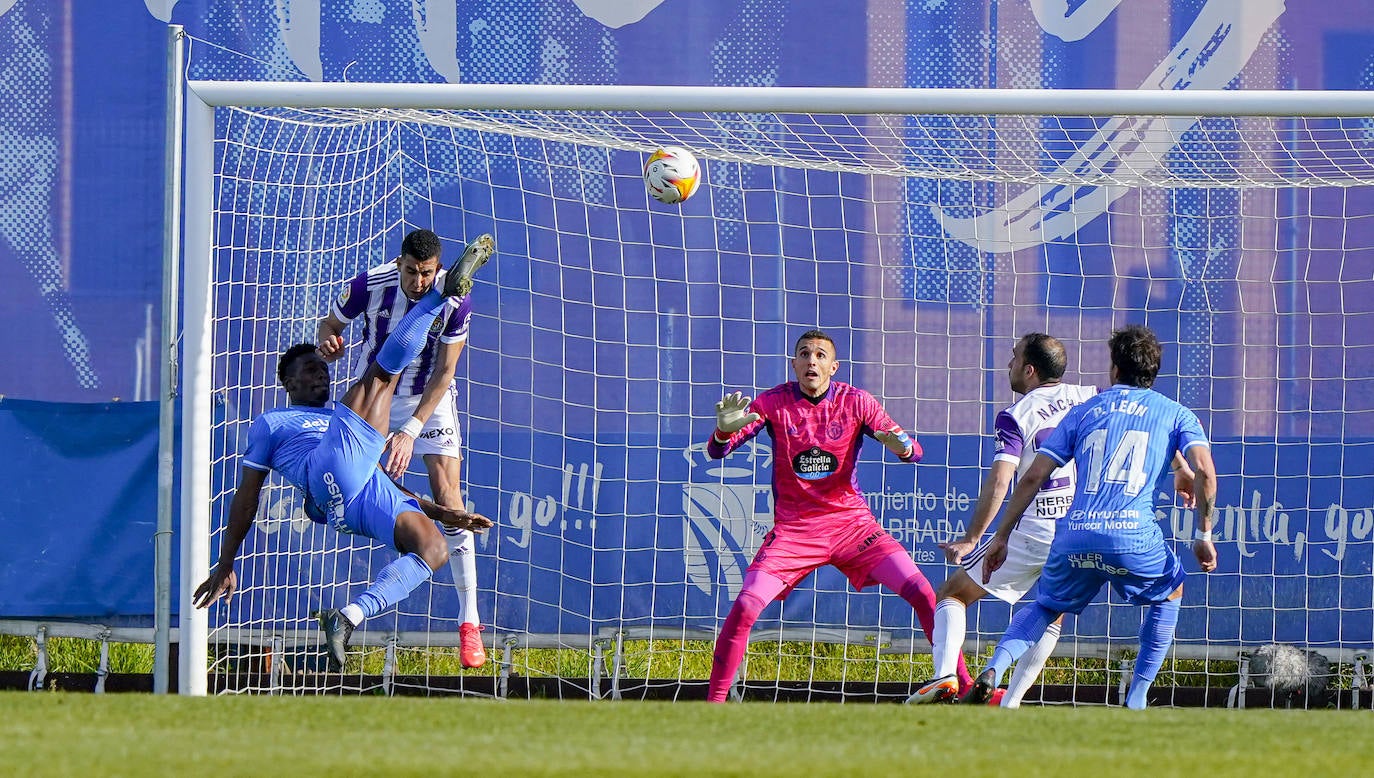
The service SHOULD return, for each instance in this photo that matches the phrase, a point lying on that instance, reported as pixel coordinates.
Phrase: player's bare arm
(457, 518)
(990, 496)
(1205, 489)
(243, 509)
(329, 341)
(1021, 498)
(400, 445)
(1183, 479)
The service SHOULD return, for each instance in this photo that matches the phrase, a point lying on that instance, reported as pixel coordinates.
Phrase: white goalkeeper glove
(897, 441)
(730, 413)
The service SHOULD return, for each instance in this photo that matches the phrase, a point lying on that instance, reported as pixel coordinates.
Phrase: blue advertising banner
(566, 561)
(79, 511)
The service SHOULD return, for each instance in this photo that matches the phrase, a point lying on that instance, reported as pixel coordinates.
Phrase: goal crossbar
(824, 100)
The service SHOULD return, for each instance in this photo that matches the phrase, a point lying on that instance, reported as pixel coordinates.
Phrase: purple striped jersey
(376, 296)
(1017, 434)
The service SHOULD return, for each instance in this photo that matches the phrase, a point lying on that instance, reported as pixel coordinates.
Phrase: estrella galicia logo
(814, 464)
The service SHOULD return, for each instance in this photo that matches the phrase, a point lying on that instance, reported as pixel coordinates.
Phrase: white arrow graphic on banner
(1216, 47)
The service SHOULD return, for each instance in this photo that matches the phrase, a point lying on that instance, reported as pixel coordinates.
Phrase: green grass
(74, 655)
(71, 734)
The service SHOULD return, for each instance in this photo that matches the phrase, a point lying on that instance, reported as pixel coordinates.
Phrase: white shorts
(1010, 582)
(441, 434)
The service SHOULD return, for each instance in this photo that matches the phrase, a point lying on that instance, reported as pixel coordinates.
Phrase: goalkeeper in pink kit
(820, 516)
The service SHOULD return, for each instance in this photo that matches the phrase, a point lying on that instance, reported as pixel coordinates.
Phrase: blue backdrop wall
(81, 134)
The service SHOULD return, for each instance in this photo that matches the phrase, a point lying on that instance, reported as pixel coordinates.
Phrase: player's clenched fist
(730, 413)
(331, 348)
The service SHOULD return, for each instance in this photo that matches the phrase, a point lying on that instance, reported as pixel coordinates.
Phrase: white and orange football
(672, 174)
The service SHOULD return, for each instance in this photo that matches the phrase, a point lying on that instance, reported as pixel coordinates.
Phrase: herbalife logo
(728, 508)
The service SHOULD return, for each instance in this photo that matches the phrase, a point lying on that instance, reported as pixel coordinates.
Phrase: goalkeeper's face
(417, 275)
(814, 365)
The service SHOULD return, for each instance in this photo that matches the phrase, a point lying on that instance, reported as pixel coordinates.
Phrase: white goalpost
(925, 230)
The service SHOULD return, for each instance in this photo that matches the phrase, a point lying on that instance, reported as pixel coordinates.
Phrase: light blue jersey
(1121, 441)
(283, 439)
(331, 456)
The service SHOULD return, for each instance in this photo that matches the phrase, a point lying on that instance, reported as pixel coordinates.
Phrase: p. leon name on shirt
(1128, 407)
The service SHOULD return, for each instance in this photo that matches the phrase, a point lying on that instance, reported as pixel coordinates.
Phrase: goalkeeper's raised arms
(730, 413)
(896, 440)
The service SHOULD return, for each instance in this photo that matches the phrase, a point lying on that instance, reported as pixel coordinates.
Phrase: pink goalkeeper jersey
(815, 447)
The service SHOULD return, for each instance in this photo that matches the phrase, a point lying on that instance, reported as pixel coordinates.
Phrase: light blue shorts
(347, 490)
(1071, 579)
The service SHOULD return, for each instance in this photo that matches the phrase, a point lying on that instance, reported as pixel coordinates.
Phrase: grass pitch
(79, 734)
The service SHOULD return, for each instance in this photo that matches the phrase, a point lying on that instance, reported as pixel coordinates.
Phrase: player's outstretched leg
(407, 340)
(458, 281)
(758, 590)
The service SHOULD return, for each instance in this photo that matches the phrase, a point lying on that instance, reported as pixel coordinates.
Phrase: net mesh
(608, 326)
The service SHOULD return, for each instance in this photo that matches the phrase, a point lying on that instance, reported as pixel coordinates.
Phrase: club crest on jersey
(814, 464)
(835, 430)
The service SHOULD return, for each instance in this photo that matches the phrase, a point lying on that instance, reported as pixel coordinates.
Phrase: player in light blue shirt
(1121, 441)
(331, 456)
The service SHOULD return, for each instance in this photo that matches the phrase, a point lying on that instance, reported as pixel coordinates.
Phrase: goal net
(924, 231)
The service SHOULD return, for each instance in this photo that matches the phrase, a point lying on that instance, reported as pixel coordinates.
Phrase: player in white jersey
(1035, 371)
(424, 420)
(1122, 439)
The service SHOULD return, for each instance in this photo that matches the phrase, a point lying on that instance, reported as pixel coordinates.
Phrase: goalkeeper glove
(730, 413)
(897, 441)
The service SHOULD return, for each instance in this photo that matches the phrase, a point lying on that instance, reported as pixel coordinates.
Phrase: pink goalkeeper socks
(731, 644)
(758, 590)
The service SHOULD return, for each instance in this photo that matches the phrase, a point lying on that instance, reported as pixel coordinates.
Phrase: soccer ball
(672, 174)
